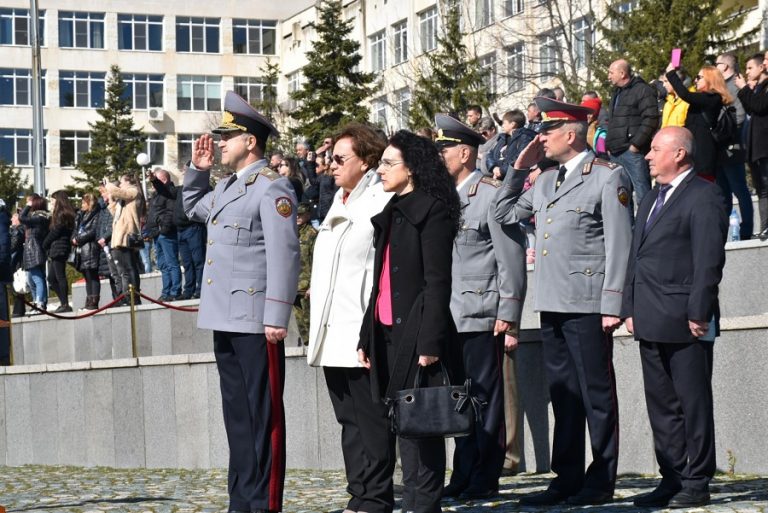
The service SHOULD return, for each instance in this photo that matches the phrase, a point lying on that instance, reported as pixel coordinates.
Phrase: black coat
(161, 209)
(634, 117)
(421, 238)
(326, 186)
(701, 118)
(104, 231)
(755, 103)
(58, 243)
(676, 264)
(35, 230)
(6, 274)
(85, 234)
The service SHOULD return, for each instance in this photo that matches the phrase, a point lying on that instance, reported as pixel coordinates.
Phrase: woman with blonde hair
(705, 105)
(127, 203)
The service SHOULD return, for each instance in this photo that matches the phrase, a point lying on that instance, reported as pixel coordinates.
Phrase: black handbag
(135, 241)
(427, 412)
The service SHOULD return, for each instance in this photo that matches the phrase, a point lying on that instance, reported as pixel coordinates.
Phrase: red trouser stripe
(277, 429)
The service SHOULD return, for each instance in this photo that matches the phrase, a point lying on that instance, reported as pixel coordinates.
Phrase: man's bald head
(162, 175)
(671, 153)
(680, 137)
(619, 73)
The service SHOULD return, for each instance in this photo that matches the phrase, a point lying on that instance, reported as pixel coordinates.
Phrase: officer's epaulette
(605, 163)
(472, 189)
(491, 181)
(269, 173)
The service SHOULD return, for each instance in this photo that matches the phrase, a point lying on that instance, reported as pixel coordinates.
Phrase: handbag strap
(417, 379)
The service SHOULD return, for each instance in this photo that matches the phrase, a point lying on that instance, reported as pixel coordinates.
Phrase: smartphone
(677, 54)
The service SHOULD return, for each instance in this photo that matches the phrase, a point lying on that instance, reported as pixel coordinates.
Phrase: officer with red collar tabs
(488, 289)
(583, 236)
(249, 285)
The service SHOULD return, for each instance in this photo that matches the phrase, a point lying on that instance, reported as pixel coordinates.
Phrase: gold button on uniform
(588, 272)
(214, 221)
(235, 225)
(546, 235)
(549, 220)
(210, 242)
(210, 261)
(550, 205)
(545, 252)
(250, 290)
(578, 209)
(209, 281)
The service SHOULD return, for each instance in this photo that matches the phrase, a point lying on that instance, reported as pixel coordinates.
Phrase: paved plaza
(91, 490)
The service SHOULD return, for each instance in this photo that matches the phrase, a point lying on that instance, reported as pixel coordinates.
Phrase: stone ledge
(195, 358)
(26, 369)
(117, 363)
(172, 359)
(745, 244)
(295, 351)
(67, 366)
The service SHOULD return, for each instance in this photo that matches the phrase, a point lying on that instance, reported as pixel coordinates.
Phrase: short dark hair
(37, 202)
(515, 116)
(758, 57)
(367, 142)
(476, 108)
(547, 93)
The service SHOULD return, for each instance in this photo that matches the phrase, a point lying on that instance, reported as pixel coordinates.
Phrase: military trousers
(252, 379)
(578, 361)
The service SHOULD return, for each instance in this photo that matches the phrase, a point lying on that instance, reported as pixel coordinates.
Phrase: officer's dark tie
(663, 189)
(232, 179)
(560, 177)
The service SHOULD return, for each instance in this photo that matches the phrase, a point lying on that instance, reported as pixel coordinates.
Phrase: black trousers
(678, 394)
(252, 375)
(479, 457)
(423, 460)
(366, 441)
(127, 265)
(57, 278)
(92, 282)
(578, 360)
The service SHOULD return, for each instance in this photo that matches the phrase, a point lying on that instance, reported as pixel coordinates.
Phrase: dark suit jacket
(676, 264)
(420, 235)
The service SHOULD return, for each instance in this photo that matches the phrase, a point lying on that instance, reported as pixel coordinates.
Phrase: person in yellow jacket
(675, 109)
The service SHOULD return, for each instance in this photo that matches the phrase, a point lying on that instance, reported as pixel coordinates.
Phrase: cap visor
(446, 144)
(225, 130)
(548, 125)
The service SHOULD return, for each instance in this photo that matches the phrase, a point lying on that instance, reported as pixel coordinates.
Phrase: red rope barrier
(166, 305)
(73, 317)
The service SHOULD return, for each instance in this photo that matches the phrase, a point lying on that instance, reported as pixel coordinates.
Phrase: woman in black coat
(408, 321)
(705, 105)
(36, 220)
(88, 251)
(58, 246)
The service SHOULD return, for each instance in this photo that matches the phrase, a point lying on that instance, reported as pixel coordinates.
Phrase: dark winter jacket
(104, 231)
(755, 102)
(58, 243)
(161, 209)
(702, 116)
(634, 117)
(420, 235)
(85, 234)
(327, 190)
(6, 274)
(17, 246)
(508, 149)
(35, 230)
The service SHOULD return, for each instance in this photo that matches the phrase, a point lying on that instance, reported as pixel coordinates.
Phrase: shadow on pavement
(124, 500)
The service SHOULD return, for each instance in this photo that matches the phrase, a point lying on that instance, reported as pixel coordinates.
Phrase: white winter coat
(342, 274)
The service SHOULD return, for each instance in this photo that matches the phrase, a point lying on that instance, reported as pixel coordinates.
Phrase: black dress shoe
(453, 490)
(658, 498)
(545, 498)
(507, 472)
(590, 498)
(687, 498)
(473, 493)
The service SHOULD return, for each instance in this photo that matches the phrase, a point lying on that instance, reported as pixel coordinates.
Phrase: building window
(14, 27)
(197, 34)
(16, 147)
(143, 91)
(403, 102)
(73, 145)
(81, 89)
(139, 32)
(156, 149)
(378, 51)
(428, 29)
(379, 111)
(483, 13)
(184, 148)
(294, 84)
(516, 67)
(254, 37)
(582, 42)
(196, 92)
(488, 64)
(513, 7)
(627, 7)
(253, 89)
(400, 33)
(81, 29)
(16, 87)
(548, 55)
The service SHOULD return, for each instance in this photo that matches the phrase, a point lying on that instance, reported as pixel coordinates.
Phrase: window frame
(90, 78)
(91, 20)
(377, 44)
(154, 140)
(76, 137)
(429, 26)
(490, 63)
(146, 81)
(515, 81)
(248, 84)
(403, 96)
(14, 14)
(190, 22)
(513, 7)
(195, 81)
(148, 22)
(13, 75)
(548, 65)
(250, 26)
(400, 41)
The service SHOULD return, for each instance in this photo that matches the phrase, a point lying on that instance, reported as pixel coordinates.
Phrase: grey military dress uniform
(252, 250)
(489, 273)
(583, 234)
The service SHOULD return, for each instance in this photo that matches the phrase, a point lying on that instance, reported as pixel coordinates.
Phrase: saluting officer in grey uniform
(486, 302)
(249, 285)
(583, 237)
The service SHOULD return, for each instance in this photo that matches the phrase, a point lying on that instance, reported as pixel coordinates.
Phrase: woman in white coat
(342, 277)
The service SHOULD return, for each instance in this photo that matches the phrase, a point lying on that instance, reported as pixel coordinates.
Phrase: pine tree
(114, 140)
(453, 80)
(12, 182)
(268, 105)
(646, 35)
(334, 92)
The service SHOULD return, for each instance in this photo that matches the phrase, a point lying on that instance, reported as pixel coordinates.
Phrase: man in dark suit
(670, 304)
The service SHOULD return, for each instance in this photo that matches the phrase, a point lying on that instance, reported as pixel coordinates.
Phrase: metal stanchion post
(134, 345)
